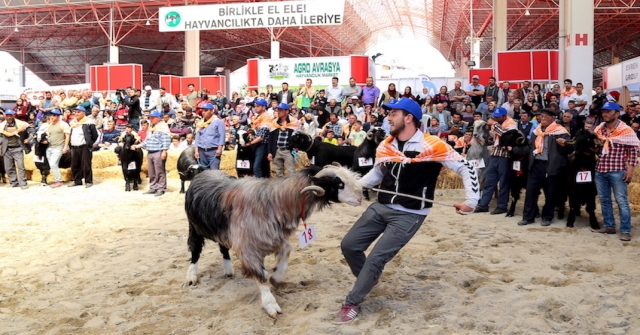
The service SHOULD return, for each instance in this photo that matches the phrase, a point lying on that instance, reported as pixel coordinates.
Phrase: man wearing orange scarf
(262, 125)
(547, 162)
(408, 162)
(498, 168)
(614, 169)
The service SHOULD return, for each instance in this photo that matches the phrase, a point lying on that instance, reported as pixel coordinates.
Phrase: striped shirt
(156, 141)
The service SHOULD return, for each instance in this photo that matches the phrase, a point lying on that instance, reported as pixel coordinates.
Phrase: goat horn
(317, 190)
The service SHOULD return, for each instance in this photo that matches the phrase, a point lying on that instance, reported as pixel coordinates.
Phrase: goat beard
(397, 129)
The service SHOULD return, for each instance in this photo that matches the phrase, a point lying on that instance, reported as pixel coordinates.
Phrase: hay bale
(103, 159)
(449, 180)
(111, 172)
(636, 176)
(65, 173)
(228, 162)
(170, 165)
(633, 194)
(29, 165)
(173, 175)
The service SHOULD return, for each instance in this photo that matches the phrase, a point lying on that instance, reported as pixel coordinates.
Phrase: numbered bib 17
(583, 177)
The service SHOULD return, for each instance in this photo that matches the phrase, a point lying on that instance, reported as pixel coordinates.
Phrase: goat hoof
(509, 215)
(273, 310)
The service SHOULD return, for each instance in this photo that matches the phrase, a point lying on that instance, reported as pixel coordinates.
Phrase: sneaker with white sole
(346, 314)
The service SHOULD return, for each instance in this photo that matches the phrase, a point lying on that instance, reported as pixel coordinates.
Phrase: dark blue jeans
(208, 159)
(612, 181)
(260, 156)
(497, 172)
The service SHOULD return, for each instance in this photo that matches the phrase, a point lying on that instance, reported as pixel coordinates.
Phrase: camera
(120, 92)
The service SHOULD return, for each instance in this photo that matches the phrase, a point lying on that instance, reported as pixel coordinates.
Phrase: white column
(114, 54)
(191, 53)
(275, 50)
(463, 69)
(499, 27)
(87, 72)
(579, 46)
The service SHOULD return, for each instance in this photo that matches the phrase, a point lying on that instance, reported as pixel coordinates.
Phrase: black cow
(520, 153)
(365, 154)
(131, 162)
(245, 155)
(3, 172)
(42, 163)
(586, 143)
(188, 166)
(322, 154)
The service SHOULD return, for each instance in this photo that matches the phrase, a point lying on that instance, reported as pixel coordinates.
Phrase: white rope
(422, 199)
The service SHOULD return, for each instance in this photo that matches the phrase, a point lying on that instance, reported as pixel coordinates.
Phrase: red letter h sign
(582, 39)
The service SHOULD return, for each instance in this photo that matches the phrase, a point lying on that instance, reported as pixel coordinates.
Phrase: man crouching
(407, 162)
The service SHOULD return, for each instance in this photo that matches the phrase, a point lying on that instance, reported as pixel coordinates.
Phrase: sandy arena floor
(102, 261)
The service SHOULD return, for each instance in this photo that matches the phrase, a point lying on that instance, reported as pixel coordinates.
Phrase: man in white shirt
(475, 90)
(509, 104)
(582, 100)
(334, 91)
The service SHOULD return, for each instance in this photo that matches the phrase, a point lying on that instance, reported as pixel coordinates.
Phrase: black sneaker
(480, 210)
(545, 223)
(524, 222)
(498, 211)
(150, 192)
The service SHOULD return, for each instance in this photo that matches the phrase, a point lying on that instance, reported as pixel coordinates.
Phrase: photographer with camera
(135, 112)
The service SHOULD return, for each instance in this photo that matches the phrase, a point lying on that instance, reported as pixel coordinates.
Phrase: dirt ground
(102, 261)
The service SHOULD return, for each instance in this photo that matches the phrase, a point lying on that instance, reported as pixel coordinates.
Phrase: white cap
(147, 88)
(355, 97)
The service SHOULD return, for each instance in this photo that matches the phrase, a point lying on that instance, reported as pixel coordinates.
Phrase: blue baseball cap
(9, 112)
(207, 106)
(155, 113)
(80, 108)
(610, 106)
(405, 104)
(282, 105)
(55, 112)
(499, 112)
(262, 102)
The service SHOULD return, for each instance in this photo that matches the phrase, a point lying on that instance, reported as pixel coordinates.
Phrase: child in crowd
(357, 135)
(329, 138)
(435, 129)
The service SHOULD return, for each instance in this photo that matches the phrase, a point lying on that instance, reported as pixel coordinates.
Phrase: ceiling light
(16, 29)
(527, 13)
(148, 23)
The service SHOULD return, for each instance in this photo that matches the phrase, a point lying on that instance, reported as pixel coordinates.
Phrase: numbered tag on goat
(307, 236)
(477, 163)
(516, 165)
(243, 164)
(583, 177)
(131, 166)
(38, 159)
(365, 161)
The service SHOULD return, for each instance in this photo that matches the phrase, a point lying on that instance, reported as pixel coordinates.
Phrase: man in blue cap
(210, 136)
(407, 163)
(13, 147)
(498, 168)
(279, 152)
(157, 143)
(262, 126)
(83, 136)
(614, 170)
(57, 138)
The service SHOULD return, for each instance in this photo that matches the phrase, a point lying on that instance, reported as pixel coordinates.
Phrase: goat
(478, 149)
(245, 155)
(255, 217)
(131, 162)
(40, 150)
(367, 151)
(517, 179)
(188, 166)
(584, 159)
(320, 153)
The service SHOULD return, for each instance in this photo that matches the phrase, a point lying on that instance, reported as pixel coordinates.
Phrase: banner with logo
(252, 15)
(295, 71)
